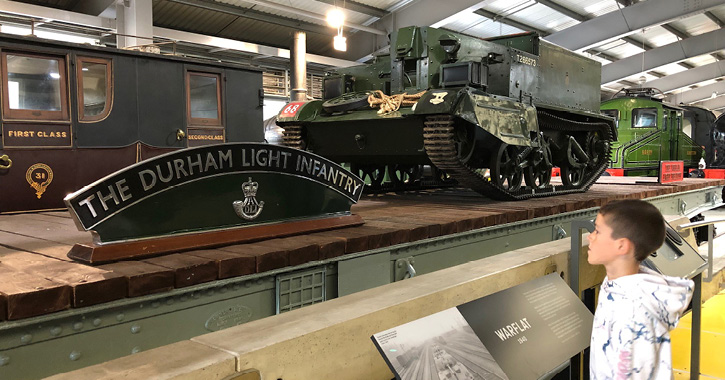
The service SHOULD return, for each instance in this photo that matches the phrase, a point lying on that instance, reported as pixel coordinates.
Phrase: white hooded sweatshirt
(630, 335)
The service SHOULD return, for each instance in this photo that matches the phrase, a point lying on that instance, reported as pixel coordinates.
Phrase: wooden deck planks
(28, 295)
(142, 278)
(33, 247)
(228, 264)
(188, 270)
(89, 285)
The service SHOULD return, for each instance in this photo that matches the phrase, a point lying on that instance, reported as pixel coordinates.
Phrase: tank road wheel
(405, 175)
(573, 177)
(538, 175)
(596, 149)
(372, 175)
(506, 172)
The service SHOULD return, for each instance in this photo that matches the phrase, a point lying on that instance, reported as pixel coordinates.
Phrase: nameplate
(213, 187)
(35, 136)
(204, 136)
(671, 171)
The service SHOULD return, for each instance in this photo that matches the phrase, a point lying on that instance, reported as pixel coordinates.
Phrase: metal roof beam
(713, 104)
(312, 15)
(705, 43)
(246, 47)
(257, 15)
(515, 24)
(640, 44)
(75, 18)
(621, 23)
(92, 7)
(682, 35)
(697, 94)
(563, 10)
(690, 77)
(715, 19)
(435, 13)
(581, 18)
(357, 7)
(508, 21)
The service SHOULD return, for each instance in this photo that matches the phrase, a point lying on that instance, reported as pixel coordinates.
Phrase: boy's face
(602, 247)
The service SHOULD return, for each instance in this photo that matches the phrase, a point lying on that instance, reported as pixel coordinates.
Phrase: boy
(637, 307)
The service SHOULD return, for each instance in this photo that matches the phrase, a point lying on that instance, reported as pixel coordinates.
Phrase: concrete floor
(713, 318)
(719, 247)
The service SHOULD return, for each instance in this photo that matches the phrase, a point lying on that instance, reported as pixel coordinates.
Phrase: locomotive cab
(649, 131)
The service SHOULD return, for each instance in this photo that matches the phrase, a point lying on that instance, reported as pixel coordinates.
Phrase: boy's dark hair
(638, 221)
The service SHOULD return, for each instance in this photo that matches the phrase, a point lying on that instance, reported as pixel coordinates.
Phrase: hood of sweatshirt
(662, 296)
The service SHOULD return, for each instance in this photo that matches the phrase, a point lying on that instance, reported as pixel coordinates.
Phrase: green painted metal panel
(298, 289)
(364, 272)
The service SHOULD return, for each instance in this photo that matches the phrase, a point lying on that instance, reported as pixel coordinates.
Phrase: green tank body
(493, 115)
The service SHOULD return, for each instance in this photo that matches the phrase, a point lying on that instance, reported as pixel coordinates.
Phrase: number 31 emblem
(39, 176)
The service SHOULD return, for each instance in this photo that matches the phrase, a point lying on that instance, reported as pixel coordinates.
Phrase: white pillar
(134, 18)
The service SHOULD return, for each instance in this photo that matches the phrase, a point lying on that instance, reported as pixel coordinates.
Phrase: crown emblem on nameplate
(249, 208)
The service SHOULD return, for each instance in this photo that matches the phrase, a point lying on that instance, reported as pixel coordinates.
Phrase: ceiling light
(714, 95)
(339, 43)
(335, 18)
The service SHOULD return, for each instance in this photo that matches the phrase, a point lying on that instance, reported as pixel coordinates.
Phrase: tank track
(440, 145)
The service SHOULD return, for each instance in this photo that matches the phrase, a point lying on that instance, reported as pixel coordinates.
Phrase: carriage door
(674, 128)
(204, 108)
(35, 128)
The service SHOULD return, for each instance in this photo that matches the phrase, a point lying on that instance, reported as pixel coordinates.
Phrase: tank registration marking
(291, 109)
(526, 60)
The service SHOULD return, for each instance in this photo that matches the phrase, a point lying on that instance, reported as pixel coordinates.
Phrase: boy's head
(626, 226)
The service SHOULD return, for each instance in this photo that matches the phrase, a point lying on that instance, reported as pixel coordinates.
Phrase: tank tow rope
(391, 103)
(440, 145)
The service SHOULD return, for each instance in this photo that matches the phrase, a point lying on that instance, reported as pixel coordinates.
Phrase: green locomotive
(650, 131)
(494, 115)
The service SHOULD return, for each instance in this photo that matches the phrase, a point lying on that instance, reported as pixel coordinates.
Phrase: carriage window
(35, 87)
(687, 126)
(644, 118)
(204, 102)
(94, 88)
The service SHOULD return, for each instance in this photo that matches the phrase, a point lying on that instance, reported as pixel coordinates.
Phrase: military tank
(493, 115)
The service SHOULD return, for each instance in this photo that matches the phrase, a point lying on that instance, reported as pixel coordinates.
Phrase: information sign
(519, 333)
(671, 171)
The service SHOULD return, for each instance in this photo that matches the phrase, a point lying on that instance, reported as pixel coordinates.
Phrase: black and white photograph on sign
(531, 328)
(441, 346)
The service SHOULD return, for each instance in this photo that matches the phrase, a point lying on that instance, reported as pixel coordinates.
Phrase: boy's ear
(624, 246)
